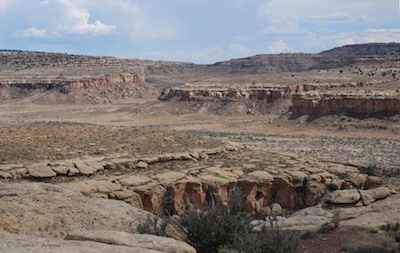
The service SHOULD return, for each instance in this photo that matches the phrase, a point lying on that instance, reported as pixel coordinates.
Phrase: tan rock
(142, 165)
(343, 197)
(12, 243)
(169, 177)
(152, 197)
(285, 193)
(85, 168)
(5, 175)
(314, 192)
(373, 182)
(149, 242)
(40, 171)
(134, 181)
(358, 180)
(50, 210)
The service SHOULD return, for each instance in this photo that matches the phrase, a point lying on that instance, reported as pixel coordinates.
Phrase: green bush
(270, 240)
(226, 229)
(371, 169)
(154, 226)
(210, 230)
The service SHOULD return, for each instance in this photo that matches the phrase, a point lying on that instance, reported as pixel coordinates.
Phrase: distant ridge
(261, 63)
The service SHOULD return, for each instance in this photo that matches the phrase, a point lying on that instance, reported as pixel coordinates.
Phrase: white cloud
(34, 32)
(288, 16)
(125, 18)
(63, 17)
(136, 23)
(75, 19)
(78, 20)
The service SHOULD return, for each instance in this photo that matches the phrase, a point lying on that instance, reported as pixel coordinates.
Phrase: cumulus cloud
(71, 19)
(58, 18)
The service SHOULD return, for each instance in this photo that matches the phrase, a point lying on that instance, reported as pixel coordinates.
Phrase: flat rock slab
(48, 210)
(41, 171)
(84, 168)
(344, 197)
(150, 242)
(12, 243)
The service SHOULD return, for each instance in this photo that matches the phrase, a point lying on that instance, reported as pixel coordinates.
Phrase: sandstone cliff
(100, 89)
(362, 102)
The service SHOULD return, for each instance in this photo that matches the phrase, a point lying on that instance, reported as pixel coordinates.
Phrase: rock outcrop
(175, 192)
(92, 242)
(99, 89)
(255, 92)
(149, 242)
(50, 210)
(91, 165)
(357, 103)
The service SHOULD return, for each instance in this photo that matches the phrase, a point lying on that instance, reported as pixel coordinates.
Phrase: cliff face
(102, 89)
(362, 103)
(268, 93)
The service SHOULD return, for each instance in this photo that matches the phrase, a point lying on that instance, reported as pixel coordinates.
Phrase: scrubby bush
(226, 228)
(272, 239)
(154, 226)
(372, 168)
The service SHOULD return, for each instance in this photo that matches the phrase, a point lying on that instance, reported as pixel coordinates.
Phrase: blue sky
(201, 31)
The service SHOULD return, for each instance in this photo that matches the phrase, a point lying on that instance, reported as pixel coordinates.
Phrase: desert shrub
(326, 228)
(226, 229)
(154, 226)
(209, 230)
(272, 239)
(372, 168)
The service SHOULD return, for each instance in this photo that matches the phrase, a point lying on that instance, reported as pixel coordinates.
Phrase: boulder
(358, 180)
(343, 197)
(370, 196)
(141, 165)
(85, 168)
(373, 182)
(40, 170)
(276, 210)
(314, 192)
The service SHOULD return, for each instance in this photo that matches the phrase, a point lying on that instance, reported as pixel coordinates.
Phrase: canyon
(92, 147)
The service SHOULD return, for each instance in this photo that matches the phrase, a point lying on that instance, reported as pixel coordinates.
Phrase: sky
(200, 31)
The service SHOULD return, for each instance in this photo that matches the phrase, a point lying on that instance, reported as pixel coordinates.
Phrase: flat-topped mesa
(97, 89)
(350, 102)
(266, 92)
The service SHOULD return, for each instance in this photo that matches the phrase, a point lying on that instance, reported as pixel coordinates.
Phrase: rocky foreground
(117, 194)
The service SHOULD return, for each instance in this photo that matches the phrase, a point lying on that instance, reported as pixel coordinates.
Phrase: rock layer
(361, 103)
(98, 89)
